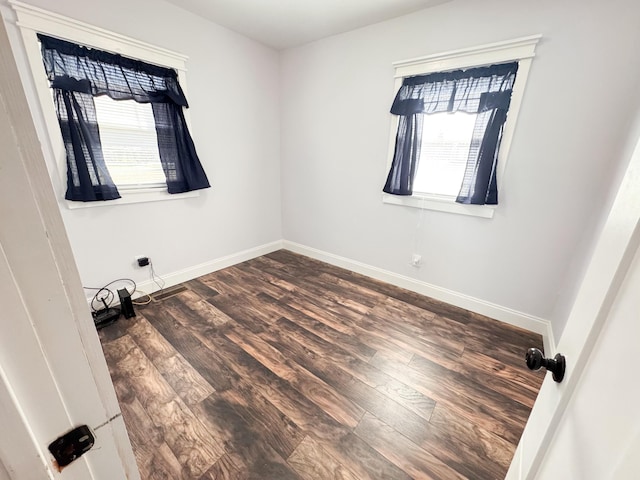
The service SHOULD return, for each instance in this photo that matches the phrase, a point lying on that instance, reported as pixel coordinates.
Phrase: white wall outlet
(416, 260)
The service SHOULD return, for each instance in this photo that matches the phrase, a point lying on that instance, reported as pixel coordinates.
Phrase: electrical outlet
(416, 260)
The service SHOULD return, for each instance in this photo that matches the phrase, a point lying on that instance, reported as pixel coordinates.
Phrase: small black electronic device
(106, 316)
(126, 305)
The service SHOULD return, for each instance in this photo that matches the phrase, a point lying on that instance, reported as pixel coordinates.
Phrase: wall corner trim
(476, 305)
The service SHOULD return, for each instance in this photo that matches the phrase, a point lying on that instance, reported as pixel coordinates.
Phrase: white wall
(233, 91)
(567, 148)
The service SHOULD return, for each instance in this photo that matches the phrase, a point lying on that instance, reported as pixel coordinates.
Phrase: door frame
(53, 375)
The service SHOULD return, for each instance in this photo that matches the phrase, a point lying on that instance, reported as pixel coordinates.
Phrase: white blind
(129, 142)
(446, 139)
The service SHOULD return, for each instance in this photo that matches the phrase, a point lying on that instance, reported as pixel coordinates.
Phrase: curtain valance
(73, 67)
(473, 91)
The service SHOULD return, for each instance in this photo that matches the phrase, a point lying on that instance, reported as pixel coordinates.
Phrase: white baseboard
(196, 271)
(498, 312)
(184, 275)
(492, 310)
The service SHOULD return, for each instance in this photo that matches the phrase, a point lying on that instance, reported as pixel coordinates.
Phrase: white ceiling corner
(283, 24)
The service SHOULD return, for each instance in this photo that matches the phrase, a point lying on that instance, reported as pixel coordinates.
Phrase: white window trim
(521, 50)
(33, 20)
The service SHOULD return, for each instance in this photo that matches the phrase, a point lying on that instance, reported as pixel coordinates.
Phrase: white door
(53, 376)
(599, 434)
(602, 331)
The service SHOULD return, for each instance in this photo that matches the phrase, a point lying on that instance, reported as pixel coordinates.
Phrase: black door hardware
(556, 365)
(71, 445)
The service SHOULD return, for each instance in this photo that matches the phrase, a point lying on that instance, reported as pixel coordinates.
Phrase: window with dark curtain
(77, 74)
(485, 91)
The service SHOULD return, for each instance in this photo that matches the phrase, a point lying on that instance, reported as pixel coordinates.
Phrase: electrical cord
(153, 277)
(109, 296)
(145, 302)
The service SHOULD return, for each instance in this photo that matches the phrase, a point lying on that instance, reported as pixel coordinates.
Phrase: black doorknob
(556, 365)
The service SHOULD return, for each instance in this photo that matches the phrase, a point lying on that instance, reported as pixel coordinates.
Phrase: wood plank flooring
(284, 367)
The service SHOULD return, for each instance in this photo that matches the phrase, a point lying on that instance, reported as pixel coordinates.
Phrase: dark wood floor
(284, 367)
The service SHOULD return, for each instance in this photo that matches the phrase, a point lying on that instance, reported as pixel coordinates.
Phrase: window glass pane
(446, 139)
(129, 142)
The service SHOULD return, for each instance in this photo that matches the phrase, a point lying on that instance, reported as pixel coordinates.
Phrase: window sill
(138, 195)
(439, 204)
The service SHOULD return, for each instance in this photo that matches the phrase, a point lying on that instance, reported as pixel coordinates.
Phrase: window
(90, 75)
(129, 143)
(80, 74)
(451, 132)
(446, 140)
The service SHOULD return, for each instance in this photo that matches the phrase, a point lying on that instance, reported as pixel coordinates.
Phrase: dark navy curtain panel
(77, 74)
(485, 91)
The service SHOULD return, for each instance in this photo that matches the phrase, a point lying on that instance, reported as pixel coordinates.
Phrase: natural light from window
(446, 139)
(129, 142)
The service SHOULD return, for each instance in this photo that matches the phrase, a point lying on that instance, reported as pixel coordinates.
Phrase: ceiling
(288, 23)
